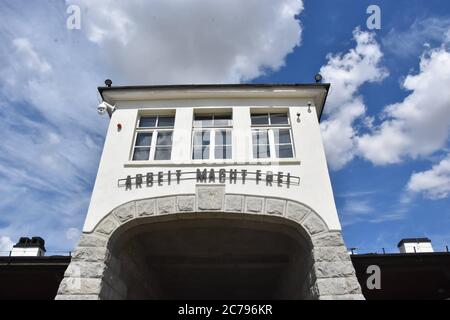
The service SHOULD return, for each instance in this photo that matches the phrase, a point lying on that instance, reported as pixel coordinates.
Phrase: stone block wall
(95, 273)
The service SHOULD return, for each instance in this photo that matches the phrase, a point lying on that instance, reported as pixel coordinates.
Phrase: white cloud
(357, 207)
(361, 207)
(193, 41)
(73, 234)
(5, 245)
(355, 210)
(370, 206)
(364, 211)
(26, 54)
(347, 73)
(394, 216)
(339, 134)
(416, 127)
(420, 124)
(419, 35)
(51, 134)
(433, 183)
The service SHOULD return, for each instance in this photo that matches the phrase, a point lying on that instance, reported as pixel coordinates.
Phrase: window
(211, 137)
(153, 138)
(271, 136)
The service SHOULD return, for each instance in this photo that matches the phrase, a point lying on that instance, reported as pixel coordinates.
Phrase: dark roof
(429, 270)
(33, 261)
(39, 277)
(412, 240)
(325, 86)
(31, 278)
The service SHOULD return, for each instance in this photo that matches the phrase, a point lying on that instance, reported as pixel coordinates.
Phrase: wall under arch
(213, 256)
(95, 270)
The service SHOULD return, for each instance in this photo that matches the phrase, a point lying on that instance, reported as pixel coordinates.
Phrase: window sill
(192, 163)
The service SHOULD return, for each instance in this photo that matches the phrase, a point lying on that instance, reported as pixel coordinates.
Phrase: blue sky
(386, 127)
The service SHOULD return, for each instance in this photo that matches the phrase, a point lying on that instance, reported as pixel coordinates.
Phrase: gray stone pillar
(333, 275)
(90, 273)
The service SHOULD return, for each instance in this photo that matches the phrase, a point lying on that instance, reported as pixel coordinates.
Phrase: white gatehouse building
(212, 192)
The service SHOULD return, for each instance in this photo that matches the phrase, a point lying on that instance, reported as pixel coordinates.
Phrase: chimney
(415, 245)
(26, 247)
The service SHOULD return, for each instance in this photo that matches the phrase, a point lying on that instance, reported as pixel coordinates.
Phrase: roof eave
(325, 86)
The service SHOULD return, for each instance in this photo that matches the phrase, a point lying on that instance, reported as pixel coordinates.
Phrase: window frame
(270, 128)
(212, 129)
(155, 130)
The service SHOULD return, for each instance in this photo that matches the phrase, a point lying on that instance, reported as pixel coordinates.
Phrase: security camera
(105, 107)
(101, 109)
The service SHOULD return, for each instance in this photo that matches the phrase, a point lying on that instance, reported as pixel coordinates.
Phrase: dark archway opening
(214, 258)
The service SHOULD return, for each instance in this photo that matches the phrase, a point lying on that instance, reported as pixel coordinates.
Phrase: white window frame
(155, 132)
(271, 135)
(212, 135)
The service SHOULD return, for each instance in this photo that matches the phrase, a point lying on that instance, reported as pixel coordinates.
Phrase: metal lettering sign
(232, 176)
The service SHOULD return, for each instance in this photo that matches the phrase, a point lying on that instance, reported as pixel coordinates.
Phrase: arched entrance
(214, 256)
(211, 245)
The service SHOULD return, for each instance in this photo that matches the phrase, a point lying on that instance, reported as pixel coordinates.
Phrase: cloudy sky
(386, 126)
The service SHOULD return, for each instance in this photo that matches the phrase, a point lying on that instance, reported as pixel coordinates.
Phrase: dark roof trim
(393, 256)
(42, 260)
(325, 86)
(216, 86)
(413, 240)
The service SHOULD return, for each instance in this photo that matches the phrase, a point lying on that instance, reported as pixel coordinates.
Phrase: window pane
(282, 136)
(222, 152)
(222, 120)
(147, 122)
(163, 153)
(284, 151)
(166, 121)
(261, 151)
(260, 118)
(144, 139)
(164, 138)
(201, 138)
(223, 137)
(141, 154)
(260, 137)
(279, 118)
(201, 121)
(200, 153)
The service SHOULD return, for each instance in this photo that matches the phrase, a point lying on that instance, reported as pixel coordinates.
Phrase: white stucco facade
(308, 163)
(416, 247)
(27, 252)
(260, 223)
